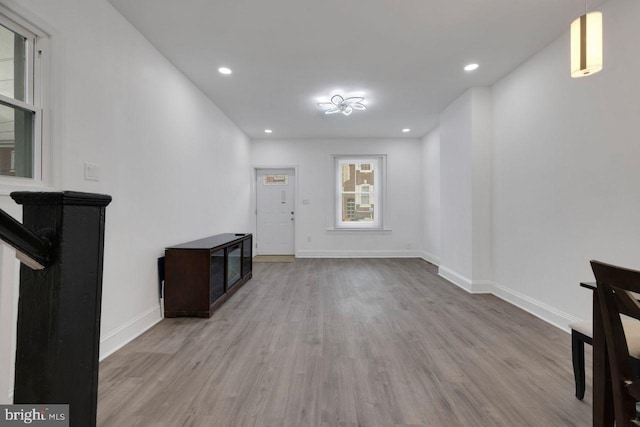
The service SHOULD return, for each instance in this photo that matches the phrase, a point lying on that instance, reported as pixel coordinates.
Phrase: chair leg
(577, 355)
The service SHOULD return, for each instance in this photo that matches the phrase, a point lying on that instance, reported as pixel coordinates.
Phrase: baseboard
(359, 254)
(543, 311)
(118, 338)
(481, 287)
(455, 278)
(433, 259)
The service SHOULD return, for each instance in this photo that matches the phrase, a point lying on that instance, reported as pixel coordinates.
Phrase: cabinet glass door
(246, 257)
(234, 264)
(216, 280)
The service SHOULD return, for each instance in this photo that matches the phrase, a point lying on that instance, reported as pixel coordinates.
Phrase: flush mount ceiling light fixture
(339, 104)
(224, 70)
(586, 44)
(471, 67)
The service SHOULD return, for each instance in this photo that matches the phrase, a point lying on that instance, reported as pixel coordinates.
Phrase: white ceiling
(405, 56)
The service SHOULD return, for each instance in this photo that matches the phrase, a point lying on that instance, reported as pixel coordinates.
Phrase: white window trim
(36, 85)
(380, 191)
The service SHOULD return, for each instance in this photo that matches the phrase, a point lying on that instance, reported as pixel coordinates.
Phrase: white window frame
(36, 41)
(379, 187)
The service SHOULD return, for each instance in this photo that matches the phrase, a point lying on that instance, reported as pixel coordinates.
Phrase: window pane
(16, 142)
(358, 207)
(350, 212)
(12, 64)
(275, 179)
(354, 175)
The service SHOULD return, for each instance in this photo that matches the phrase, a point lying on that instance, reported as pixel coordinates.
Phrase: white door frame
(254, 201)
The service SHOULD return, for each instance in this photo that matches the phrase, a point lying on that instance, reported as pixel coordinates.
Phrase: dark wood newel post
(58, 331)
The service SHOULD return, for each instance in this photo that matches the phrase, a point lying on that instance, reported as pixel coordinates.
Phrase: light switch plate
(91, 172)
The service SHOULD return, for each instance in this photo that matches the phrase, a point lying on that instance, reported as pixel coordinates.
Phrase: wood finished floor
(355, 342)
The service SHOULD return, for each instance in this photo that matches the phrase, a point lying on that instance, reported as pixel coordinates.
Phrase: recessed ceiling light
(268, 131)
(471, 67)
(224, 70)
(405, 130)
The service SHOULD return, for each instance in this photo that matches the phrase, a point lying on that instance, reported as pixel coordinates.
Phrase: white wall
(481, 187)
(176, 166)
(566, 180)
(455, 183)
(316, 184)
(465, 171)
(8, 318)
(431, 196)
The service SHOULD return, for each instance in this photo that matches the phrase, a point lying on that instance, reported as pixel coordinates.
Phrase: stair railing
(61, 246)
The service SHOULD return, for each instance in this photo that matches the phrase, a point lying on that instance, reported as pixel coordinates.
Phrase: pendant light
(586, 44)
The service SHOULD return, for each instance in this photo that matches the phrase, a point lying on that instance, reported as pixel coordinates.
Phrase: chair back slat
(615, 287)
(627, 303)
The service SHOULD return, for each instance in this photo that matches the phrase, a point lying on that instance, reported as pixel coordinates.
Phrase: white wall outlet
(91, 172)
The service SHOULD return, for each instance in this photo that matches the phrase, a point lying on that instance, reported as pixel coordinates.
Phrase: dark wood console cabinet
(200, 275)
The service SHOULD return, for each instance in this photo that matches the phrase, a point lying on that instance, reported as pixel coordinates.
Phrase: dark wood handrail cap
(67, 198)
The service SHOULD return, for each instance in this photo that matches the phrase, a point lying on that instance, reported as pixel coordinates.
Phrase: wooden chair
(582, 333)
(615, 287)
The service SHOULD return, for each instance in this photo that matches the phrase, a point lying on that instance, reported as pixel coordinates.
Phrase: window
(20, 109)
(358, 192)
(276, 179)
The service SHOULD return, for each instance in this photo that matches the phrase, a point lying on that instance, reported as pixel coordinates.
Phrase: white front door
(275, 193)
